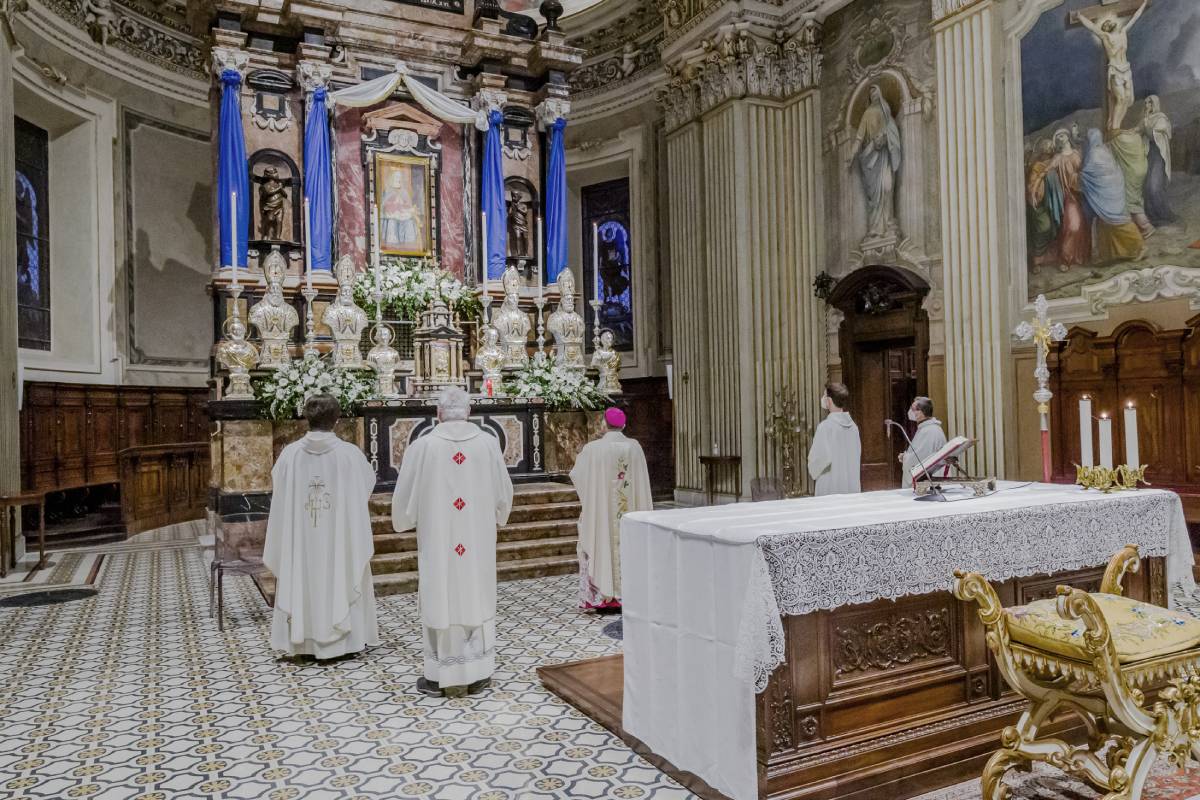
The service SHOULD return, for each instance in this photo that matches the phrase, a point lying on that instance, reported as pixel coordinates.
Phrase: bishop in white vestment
(454, 488)
(319, 542)
(611, 479)
(929, 439)
(835, 457)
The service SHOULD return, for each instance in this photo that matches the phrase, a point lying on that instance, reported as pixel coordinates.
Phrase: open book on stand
(941, 471)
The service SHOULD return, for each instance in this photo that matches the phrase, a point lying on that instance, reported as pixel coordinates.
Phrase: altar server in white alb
(454, 488)
(611, 478)
(319, 542)
(835, 457)
(929, 438)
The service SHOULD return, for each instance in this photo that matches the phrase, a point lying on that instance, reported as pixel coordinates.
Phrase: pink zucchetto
(615, 418)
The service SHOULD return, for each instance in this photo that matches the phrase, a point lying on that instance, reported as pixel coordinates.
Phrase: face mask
(913, 416)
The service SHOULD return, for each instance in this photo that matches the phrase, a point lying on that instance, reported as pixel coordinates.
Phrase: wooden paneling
(650, 422)
(163, 484)
(1159, 372)
(71, 434)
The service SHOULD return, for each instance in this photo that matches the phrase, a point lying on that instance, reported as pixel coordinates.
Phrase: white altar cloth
(704, 589)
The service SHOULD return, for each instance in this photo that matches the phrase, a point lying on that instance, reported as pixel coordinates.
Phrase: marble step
(406, 561)
(405, 582)
(404, 542)
(525, 494)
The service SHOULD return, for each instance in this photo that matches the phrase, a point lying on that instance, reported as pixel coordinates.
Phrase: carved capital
(313, 75)
(489, 100)
(944, 8)
(9, 9)
(226, 58)
(737, 62)
(551, 109)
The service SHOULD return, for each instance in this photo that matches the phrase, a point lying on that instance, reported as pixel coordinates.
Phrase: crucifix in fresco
(1110, 22)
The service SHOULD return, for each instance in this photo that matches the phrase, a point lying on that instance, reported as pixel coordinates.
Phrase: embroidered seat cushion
(1139, 630)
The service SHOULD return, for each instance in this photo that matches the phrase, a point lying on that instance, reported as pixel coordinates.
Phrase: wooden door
(884, 383)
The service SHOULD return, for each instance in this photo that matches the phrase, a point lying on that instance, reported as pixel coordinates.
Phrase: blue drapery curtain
(556, 203)
(232, 172)
(492, 198)
(318, 182)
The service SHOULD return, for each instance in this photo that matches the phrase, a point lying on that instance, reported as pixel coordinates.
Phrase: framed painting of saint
(403, 195)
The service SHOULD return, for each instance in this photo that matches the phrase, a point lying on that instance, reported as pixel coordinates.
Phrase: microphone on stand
(935, 491)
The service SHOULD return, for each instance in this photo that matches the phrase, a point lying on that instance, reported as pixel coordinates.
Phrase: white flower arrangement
(411, 285)
(283, 392)
(562, 389)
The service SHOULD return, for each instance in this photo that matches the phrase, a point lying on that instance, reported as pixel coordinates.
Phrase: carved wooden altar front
(893, 699)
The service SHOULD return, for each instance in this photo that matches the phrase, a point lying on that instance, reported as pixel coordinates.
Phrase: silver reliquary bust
(345, 319)
(513, 323)
(273, 316)
(566, 325)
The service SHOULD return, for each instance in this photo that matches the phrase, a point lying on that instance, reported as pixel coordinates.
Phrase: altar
(811, 648)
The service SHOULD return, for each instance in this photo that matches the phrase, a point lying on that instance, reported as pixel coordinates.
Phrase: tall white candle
(1085, 432)
(596, 260)
(307, 248)
(233, 237)
(540, 265)
(375, 239)
(1132, 457)
(1106, 450)
(483, 253)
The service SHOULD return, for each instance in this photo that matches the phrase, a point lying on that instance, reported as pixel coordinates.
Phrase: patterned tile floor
(135, 694)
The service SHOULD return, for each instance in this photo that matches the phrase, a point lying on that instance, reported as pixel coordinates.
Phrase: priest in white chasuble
(454, 488)
(835, 457)
(611, 479)
(319, 542)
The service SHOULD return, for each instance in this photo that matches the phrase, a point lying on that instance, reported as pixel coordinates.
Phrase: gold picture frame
(404, 197)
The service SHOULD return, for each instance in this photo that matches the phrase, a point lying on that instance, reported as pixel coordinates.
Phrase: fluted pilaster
(10, 476)
(972, 192)
(745, 204)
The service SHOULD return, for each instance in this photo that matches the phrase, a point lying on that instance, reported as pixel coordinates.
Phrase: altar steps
(540, 539)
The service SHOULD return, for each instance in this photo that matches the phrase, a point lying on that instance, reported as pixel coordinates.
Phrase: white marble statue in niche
(877, 153)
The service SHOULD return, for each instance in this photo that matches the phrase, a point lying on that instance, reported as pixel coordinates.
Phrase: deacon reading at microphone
(929, 439)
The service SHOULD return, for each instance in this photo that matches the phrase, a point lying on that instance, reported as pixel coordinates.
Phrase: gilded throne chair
(1129, 670)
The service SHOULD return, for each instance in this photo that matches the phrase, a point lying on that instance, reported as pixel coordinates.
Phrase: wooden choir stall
(811, 648)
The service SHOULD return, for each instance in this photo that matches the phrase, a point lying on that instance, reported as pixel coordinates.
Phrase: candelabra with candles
(540, 356)
(310, 325)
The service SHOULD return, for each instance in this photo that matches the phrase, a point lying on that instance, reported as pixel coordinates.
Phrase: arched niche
(884, 346)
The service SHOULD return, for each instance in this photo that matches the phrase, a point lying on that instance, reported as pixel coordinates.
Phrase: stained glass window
(607, 206)
(33, 235)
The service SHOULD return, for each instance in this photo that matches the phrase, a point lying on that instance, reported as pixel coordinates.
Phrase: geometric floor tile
(134, 693)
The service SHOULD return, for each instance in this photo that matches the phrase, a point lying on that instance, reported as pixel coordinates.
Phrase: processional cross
(1042, 332)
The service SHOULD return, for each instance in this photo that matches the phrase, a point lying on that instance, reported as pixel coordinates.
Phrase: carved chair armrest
(1075, 603)
(1126, 560)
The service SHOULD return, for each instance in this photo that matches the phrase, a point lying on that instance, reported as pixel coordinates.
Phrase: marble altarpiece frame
(402, 162)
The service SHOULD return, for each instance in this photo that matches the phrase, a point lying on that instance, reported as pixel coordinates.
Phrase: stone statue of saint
(273, 316)
(566, 325)
(518, 225)
(272, 198)
(608, 362)
(489, 359)
(512, 323)
(1114, 38)
(383, 358)
(345, 319)
(878, 152)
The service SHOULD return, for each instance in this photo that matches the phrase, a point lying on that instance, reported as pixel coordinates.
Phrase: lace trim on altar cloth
(798, 573)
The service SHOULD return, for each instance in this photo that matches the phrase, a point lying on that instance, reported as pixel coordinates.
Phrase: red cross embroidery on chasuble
(459, 458)
(460, 549)
(460, 503)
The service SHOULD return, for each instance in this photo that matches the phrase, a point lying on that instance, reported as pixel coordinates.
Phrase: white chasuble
(319, 547)
(835, 456)
(611, 479)
(454, 488)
